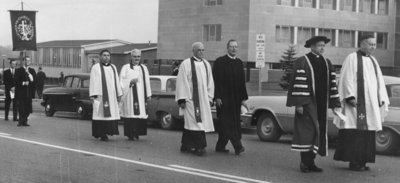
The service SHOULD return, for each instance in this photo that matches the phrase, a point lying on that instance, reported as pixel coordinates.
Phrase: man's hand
(336, 110)
(119, 98)
(299, 109)
(352, 102)
(134, 81)
(13, 89)
(244, 104)
(218, 102)
(182, 105)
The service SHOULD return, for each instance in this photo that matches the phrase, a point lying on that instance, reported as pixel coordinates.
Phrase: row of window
(58, 57)
(346, 38)
(365, 6)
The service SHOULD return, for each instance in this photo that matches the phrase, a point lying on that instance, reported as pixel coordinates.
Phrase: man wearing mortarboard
(312, 91)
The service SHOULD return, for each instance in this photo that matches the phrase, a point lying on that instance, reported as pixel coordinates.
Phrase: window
(381, 40)
(394, 93)
(304, 33)
(67, 82)
(212, 32)
(284, 34)
(212, 2)
(171, 85)
(329, 33)
(367, 6)
(285, 2)
(327, 4)
(364, 33)
(155, 85)
(307, 3)
(383, 6)
(85, 83)
(347, 38)
(75, 82)
(348, 5)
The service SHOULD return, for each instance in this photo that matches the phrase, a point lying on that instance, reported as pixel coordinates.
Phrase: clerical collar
(316, 55)
(105, 64)
(234, 58)
(363, 53)
(197, 59)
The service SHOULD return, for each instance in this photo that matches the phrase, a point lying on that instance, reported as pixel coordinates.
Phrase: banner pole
(22, 5)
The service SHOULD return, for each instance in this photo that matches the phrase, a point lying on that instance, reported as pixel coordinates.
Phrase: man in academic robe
(9, 83)
(194, 94)
(364, 103)
(312, 91)
(25, 90)
(135, 84)
(105, 93)
(230, 94)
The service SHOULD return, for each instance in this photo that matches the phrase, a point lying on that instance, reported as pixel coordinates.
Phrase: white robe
(348, 88)
(127, 101)
(184, 90)
(96, 89)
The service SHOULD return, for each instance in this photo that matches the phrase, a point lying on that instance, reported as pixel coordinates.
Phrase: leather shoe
(15, 119)
(304, 168)
(221, 150)
(19, 124)
(199, 152)
(26, 125)
(314, 168)
(6, 119)
(238, 151)
(185, 149)
(355, 167)
(104, 138)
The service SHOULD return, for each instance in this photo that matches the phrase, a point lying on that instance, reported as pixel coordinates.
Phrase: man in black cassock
(230, 94)
(25, 90)
(312, 91)
(9, 83)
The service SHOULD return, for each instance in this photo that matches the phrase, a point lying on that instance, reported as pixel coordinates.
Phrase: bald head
(198, 49)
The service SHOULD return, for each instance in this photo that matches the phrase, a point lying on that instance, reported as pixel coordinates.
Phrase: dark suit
(25, 93)
(9, 83)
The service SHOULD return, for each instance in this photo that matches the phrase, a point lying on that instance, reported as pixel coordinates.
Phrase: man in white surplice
(135, 83)
(105, 93)
(364, 110)
(198, 121)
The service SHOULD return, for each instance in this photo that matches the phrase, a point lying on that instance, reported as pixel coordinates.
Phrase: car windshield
(67, 82)
(171, 85)
(155, 84)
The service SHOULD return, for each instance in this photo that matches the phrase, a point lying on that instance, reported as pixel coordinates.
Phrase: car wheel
(49, 109)
(81, 111)
(166, 121)
(387, 141)
(267, 128)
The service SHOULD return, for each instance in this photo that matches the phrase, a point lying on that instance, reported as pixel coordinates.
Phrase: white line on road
(198, 173)
(218, 174)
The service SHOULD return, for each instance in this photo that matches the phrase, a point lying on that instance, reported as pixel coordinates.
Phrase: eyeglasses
(200, 49)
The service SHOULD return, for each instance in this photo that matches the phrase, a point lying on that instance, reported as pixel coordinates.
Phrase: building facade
(283, 23)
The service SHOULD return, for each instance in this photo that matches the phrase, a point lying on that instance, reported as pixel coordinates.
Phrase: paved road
(60, 149)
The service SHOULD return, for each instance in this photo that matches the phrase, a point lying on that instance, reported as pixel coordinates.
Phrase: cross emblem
(197, 111)
(106, 104)
(361, 116)
(136, 105)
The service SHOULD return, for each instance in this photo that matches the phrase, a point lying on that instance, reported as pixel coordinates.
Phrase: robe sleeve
(148, 84)
(334, 101)
(95, 81)
(210, 87)
(383, 96)
(183, 91)
(125, 81)
(300, 89)
(348, 79)
(217, 78)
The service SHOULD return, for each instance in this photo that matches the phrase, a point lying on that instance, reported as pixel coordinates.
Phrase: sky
(134, 21)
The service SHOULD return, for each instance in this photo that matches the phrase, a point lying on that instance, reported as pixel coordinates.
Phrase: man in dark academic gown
(365, 103)
(9, 83)
(312, 90)
(105, 93)
(25, 90)
(230, 94)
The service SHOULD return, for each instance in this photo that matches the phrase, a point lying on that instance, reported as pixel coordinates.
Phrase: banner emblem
(24, 28)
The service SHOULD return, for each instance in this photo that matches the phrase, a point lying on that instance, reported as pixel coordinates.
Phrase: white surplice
(96, 89)
(127, 100)
(184, 88)
(348, 88)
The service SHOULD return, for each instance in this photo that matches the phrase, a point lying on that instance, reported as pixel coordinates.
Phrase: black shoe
(221, 150)
(355, 167)
(26, 125)
(15, 119)
(185, 149)
(364, 167)
(199, 152)
(314, 168)
(238, 151)
(304, 168)
(131, 138)
(136, 137)
(19, 124)
(104, 138)
(6, 119)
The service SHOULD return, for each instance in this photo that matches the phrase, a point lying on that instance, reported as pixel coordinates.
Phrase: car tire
(268, 128)
(81, 111)
(49, 109)
(167, 121)
(387, 141)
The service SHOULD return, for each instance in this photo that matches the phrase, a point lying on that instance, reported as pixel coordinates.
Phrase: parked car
(72, 96)
(271, 118)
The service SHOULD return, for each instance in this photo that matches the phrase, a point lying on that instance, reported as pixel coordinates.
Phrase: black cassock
(230, 87)
(24, 93)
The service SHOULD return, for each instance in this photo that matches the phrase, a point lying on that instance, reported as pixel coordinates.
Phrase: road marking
(186, 170)
(219, 174)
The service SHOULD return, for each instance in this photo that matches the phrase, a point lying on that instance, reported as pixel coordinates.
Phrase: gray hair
(197, 44)
(136, 51)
